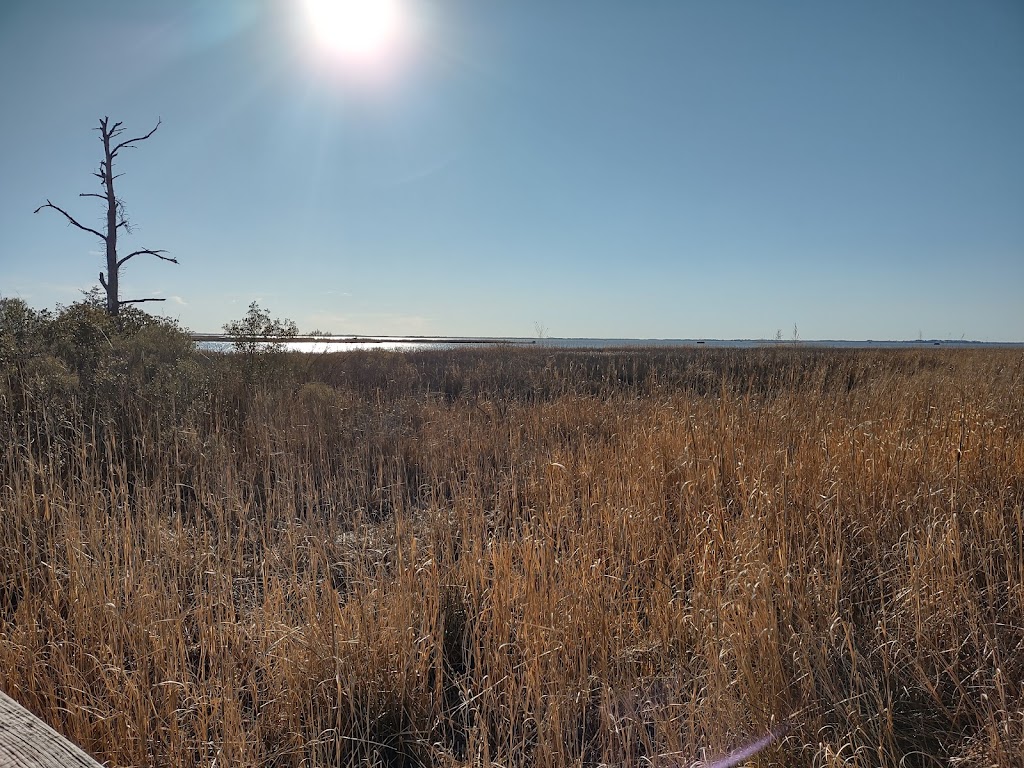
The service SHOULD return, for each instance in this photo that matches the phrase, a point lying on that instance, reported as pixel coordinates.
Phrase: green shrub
(259, 341)
(20, 330)
(258, 333)
(79, 369)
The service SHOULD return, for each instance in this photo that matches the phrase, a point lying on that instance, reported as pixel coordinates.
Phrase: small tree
(259, 340)
(259, 332)
(117, 219)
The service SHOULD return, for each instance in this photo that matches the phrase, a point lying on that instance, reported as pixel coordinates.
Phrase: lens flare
(358, 31)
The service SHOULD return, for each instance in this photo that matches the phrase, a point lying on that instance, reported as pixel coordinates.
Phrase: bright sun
(360, 32)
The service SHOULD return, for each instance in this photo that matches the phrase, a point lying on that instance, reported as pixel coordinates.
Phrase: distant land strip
(611, 343)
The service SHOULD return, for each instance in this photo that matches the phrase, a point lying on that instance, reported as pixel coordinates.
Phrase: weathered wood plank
(28, 742)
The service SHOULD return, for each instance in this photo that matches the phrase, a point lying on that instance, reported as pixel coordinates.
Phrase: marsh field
(513, 557)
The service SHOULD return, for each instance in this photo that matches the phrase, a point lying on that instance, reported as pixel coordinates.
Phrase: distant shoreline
(599, 343)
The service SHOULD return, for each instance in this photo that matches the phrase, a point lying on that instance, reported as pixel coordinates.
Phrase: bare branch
(92, 194)
(158, 253)
(137, 301)
(122, 216)
(103, 281)
(112, 130)
(131, 142)
(71, 219)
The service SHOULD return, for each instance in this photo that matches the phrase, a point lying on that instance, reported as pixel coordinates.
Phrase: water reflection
(386, 343)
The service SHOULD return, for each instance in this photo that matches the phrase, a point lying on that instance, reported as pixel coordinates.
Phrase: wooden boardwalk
(28, 742)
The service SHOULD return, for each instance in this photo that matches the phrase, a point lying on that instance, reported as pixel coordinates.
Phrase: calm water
(409, 344)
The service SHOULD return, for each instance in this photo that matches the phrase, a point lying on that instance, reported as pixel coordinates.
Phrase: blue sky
(649, 169)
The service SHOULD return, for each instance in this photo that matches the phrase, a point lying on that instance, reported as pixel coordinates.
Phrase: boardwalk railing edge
(28, 742)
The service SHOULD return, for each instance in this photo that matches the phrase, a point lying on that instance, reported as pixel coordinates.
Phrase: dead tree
(117, 219)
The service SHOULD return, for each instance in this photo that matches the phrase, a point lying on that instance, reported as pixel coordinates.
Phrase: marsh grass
(525, 558)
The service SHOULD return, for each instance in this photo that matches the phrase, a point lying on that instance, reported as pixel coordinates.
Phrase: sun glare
(359, 32)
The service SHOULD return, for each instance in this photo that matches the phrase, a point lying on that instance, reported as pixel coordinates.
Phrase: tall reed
(525, 558)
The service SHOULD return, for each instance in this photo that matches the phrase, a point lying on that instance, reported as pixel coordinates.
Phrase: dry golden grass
(530, 558)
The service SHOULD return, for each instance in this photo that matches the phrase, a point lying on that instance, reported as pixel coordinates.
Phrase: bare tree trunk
(111, 286)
